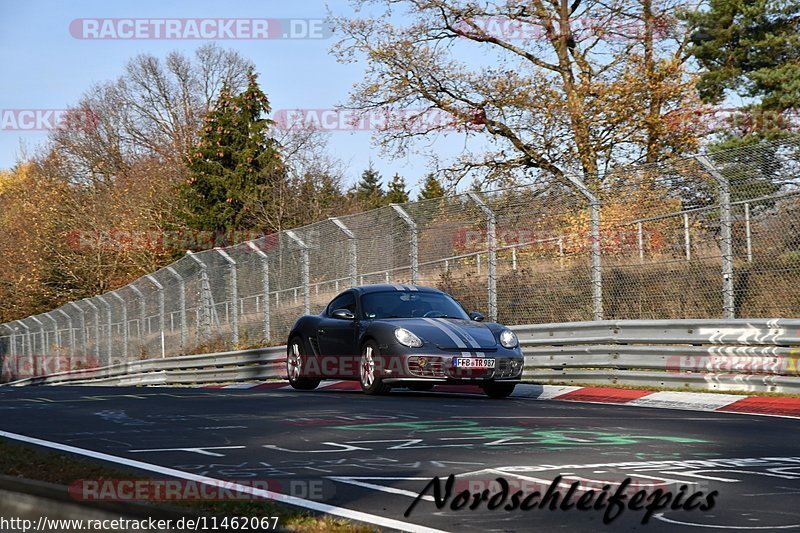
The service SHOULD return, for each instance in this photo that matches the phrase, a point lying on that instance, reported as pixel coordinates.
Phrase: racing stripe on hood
(460, 343)
(399, 287)
(464, 333)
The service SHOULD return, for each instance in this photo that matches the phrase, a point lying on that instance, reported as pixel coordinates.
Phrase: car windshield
(409, 304)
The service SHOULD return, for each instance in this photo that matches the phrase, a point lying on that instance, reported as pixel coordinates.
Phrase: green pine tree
(236, 167)
(397, 193)
(750, 47)
(431, 188)
(369, 191)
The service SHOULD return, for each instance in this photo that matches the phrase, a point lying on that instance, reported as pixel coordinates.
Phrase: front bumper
(441, 368)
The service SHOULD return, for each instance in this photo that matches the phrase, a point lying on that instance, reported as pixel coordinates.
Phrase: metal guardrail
(722, 355)
(244, 365)
(737, 355)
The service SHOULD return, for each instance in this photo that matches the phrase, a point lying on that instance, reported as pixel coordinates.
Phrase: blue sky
(45, 67)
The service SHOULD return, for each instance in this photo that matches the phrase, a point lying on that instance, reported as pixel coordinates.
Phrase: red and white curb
(691, 401)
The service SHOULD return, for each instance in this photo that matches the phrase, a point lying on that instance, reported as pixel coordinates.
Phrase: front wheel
(498, 389)
(294, 367)
(371, 383)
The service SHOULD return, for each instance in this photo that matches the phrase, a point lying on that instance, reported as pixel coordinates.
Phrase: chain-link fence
(699, 237)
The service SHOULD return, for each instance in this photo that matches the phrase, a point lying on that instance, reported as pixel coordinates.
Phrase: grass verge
(26, 462)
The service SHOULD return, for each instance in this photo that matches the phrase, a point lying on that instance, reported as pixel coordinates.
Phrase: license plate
(473, 362)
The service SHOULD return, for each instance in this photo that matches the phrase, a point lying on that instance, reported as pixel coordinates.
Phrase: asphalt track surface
(375, 454)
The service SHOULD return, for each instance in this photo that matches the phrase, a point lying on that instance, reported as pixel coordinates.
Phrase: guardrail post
(353, 250)
(414, 242)
(58, 341)
(205, 299)
(265, 285)
(726, 238)
(491, 236)
(96, 329)
(82, 314)
(305, 270)
(108, 324)
(160, 288)
(234, 296)
(181, 305)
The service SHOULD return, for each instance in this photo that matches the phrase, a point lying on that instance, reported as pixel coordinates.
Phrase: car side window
(343, 301)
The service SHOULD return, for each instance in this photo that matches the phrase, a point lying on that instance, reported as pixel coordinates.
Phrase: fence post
(234, 296)
(686, 238)
(57, 367)
(83, 327)
(26, 342)
(205, 299)
(640, 241)
(71, 333)
(414, 251)
(726, 238)
(108, 323)
(491, 236)
(181, 305)
(96, 329)
(42, 354)
(305, 267)
(160, 288)
(9, 354)
(142, 317)
(594, 230)
(265, 284)
(124, 317)
(353, 250)
(747, 232)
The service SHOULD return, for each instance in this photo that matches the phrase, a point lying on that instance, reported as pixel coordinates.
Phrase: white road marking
(358, 481)
(261, 493)
(200, 450)
(660, 516)
(696, 401)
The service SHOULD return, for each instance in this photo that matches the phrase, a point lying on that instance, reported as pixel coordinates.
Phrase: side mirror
(343, 314)
(476, 316)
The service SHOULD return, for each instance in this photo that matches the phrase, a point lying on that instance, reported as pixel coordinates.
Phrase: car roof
(384, 287)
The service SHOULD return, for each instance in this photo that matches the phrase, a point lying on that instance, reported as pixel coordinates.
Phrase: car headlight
(508, 339)
(406, 338)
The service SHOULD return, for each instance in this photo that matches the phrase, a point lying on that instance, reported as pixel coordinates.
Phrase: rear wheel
(498, 389)
(371, 383)
(294, 367)
(421, 387)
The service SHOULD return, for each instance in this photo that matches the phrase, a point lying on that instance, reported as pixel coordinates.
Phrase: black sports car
(402, 336)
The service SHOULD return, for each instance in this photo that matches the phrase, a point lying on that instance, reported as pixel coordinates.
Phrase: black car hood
(448, 333)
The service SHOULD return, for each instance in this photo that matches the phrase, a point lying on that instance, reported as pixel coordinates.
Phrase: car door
(337, 338)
